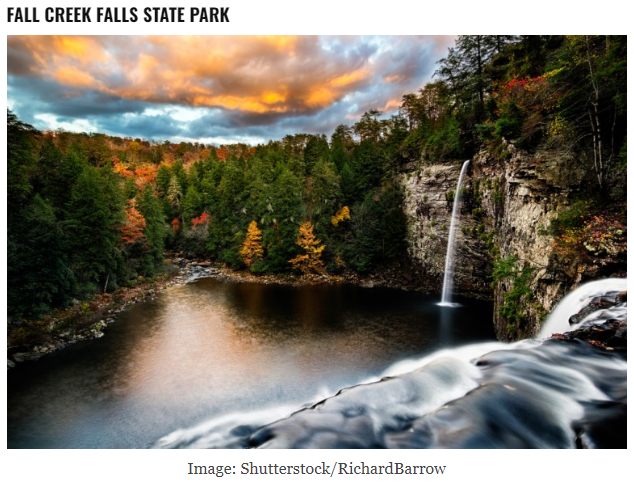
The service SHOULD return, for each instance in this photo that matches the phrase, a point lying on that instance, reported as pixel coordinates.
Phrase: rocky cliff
(506, 210)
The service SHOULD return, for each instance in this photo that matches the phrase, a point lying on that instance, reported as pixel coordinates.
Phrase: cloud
(253, 85)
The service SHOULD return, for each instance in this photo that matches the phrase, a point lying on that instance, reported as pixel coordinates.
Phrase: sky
(213, 89)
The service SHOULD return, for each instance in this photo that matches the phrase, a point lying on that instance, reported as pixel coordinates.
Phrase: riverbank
(29, 340)
(85, 320)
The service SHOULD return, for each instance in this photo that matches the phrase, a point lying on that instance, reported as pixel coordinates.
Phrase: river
(209, 348)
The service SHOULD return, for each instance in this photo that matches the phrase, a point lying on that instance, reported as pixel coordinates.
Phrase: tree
(163, 178)
(132, 230)
(369, 127)
(595, 76)
(96, 210)
(464, 71)
(192, 204)
(38, 272)
(20, 158)
(150, 208)
(310, 261)
(287, 204)
(316, 150)
(341, 143)
(251, 250)
(175, 196)
(341, 215)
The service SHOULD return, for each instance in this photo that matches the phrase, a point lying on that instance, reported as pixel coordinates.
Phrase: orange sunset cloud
(235, 82)
(237, 73)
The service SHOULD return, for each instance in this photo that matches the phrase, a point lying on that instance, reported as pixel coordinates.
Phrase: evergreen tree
(92, 227)
(38, 272)
(163, 178)
(192, 204)
(316, 150)
(154, 231)
(21, 146)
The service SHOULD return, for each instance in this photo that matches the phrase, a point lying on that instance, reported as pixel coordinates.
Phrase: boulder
(594, 305)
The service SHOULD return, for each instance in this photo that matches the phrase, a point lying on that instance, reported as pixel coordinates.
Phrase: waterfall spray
(447, 283)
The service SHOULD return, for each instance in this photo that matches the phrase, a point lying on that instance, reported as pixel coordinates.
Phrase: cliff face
(429, 191)
(507, 207)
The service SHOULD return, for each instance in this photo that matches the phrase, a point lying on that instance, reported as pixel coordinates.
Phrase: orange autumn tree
(132, 229)
(251, 249)
(310, 261)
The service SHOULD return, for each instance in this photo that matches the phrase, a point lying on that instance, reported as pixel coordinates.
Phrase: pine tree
(150, 208)
(37, 266)
(95, 212)
(163, 178)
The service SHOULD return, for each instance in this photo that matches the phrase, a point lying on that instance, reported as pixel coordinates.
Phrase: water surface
(211, 348)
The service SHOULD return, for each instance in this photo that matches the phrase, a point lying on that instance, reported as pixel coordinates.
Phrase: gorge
(508, 208)
(286, 293)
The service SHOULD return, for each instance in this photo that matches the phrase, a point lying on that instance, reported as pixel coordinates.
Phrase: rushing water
(531, 394)
(209, 351)
(447, 282)
(557, 321)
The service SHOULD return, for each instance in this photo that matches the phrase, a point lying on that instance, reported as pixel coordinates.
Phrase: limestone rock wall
(507, 207)
(429, 193)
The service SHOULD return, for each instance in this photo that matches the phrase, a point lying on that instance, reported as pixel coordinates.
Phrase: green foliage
(38, 271)
(95, 213)
(20, 159)
(379, 229)
(572, 218)
(520, 294)
(150, 208)
(592, 75)
(497, 195)
(503, 268)
(130, 189)
(192, 204)
(509, 125)
(163, 178)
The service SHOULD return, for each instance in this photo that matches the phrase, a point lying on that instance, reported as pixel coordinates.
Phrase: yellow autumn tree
(340, 216)
(251, 249)
(310, 261)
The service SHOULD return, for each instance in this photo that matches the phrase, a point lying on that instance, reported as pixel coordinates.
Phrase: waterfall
(447, 283)
(558, 322)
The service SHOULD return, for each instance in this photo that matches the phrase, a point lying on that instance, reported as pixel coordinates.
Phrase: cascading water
(447, 283)
(553, 393)
(558, 322)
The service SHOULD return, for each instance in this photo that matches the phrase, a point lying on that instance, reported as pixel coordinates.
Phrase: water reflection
(211, 348)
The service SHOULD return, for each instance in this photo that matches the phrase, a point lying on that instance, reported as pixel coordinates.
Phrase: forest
(90, 212)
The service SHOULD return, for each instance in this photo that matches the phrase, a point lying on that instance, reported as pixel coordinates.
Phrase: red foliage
(176, 226)
(147, 173)
(222, 152)
(527, 83)
(122, 169)
(132, 230)
(201, 220)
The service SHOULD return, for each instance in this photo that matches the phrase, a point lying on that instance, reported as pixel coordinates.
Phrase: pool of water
(209, 348)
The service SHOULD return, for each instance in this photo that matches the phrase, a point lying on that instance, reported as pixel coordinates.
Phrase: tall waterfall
(447, 283)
